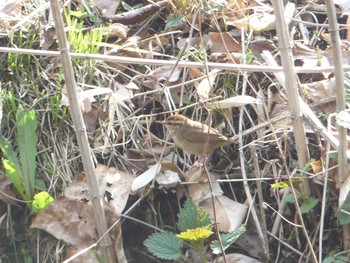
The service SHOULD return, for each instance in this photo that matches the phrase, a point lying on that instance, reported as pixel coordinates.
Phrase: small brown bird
(192, 136)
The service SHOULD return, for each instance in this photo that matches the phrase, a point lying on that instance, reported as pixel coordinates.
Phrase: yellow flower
(196, 234)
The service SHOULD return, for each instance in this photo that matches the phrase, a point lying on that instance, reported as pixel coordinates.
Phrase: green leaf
(227, 239)
(78, 14)
(308, 204)
(288, 198)
(15, 178)
(337, 258)
(40, 184)
(343, 217)
(27, 141)
(333, 155)
(173, 21)
(192, 217)
(41, 201)
(9, 153)
(164, 245)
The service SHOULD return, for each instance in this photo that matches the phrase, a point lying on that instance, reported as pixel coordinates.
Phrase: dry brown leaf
(68, 220)
(6, 193)
(262, 20)
(229, 214)
(195, 73)
(73, 222)
(257, 22)
(318, 91)
(107, 7)
(168, 179)
(168, 73)
(224, 42)
(135, 16)
(118, 184)
(200, 189)
(258, 46)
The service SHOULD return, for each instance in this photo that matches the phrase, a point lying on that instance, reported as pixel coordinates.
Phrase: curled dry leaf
(135, 16)
(145, 178)
(236, 101)
(86, 97)
(229, 214)
(204, 87)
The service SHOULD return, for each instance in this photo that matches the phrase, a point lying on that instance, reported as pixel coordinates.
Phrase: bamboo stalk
(340, 101)
(80, 130)
(162, 62)
(291, 86)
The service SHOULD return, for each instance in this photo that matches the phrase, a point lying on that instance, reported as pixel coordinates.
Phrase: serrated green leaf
(344, 218)
(27, 141)
(308, 204)
(192, 217)
(41, 201)
(227, 239)
(164, 245)
(173, 21)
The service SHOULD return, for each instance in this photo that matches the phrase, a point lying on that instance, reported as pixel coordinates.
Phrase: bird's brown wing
(197, 135)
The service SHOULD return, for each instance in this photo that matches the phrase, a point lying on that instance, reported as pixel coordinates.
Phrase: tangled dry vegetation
(136, 63)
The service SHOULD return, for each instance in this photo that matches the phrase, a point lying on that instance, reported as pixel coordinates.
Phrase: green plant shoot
(21, 171)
